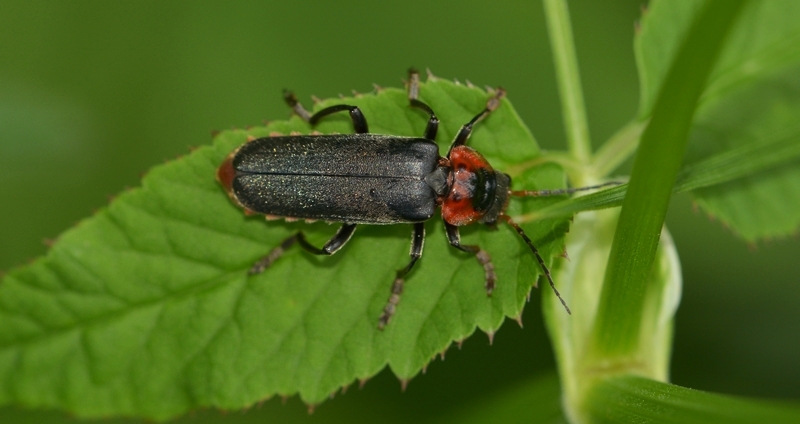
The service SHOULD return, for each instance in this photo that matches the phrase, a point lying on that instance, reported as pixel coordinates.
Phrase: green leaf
(636, 399)
(752, 102)
(146, 308)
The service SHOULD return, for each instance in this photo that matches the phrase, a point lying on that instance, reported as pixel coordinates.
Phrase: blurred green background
(94, 93)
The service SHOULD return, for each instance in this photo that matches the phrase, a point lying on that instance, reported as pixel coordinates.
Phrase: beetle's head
(475, 192)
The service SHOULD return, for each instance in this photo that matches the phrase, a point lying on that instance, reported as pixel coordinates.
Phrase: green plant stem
(661, 151)
(569, 82)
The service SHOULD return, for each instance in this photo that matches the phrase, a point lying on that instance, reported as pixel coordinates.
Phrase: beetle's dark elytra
(315, 177)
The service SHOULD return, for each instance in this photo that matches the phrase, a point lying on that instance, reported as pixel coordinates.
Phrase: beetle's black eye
(485, 189)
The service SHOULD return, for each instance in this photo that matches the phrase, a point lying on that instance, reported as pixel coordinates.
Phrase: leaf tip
(310, 407)
(431, 77)
(518, 319)
(528, 296)
(404, 384)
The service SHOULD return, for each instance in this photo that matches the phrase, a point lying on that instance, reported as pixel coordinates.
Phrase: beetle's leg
(295, 104)
(359, 121)
(481, 255)
(417, 240)
(413, 93)
(466, 129)
(332, 246)
(272, 256)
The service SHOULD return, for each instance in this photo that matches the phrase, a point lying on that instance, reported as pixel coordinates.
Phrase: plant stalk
(569, 82)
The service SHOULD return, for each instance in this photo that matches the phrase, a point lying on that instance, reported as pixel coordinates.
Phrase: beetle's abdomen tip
(226, 173)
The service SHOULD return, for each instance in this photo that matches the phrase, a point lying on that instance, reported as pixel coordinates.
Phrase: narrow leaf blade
(661, 151)
(636, 399)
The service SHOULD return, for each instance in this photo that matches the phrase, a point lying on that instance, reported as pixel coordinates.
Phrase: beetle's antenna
(538, 258)
(534, 193)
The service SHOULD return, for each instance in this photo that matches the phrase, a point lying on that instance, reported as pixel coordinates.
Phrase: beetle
(371, 179)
